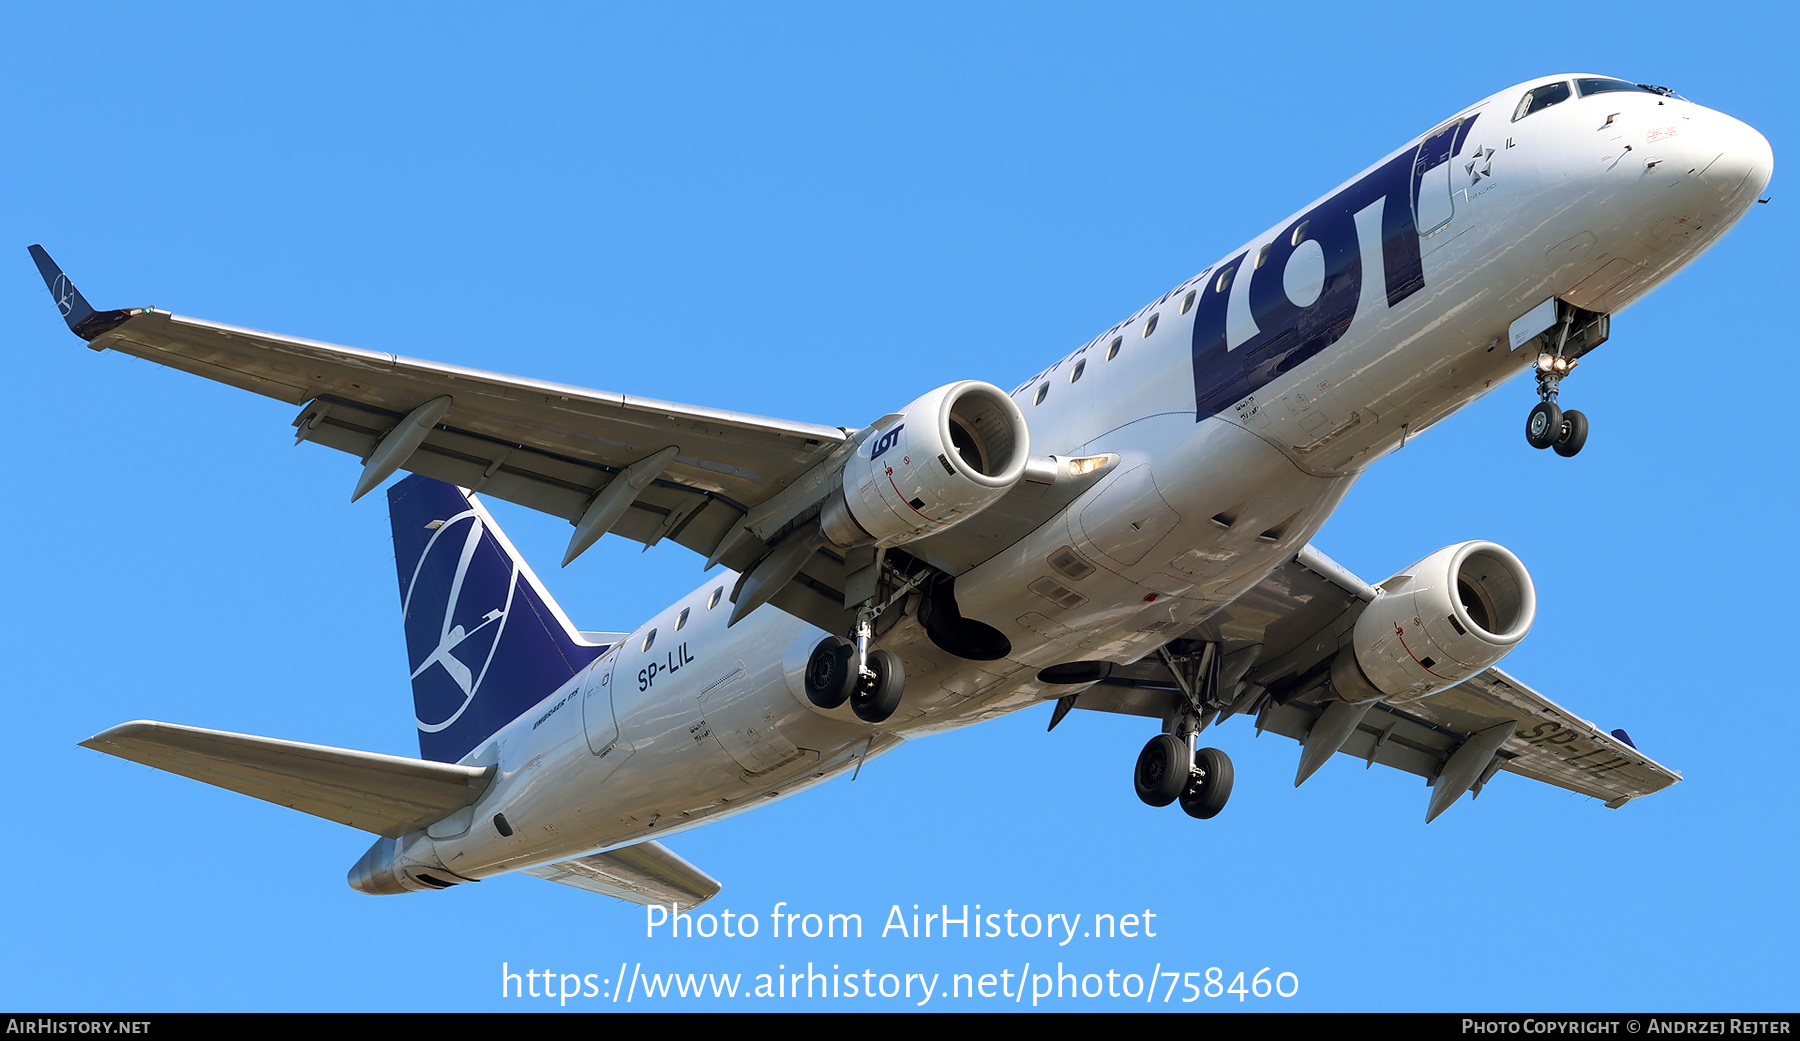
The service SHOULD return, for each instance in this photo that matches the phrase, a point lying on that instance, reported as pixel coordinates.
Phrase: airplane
(1129, 530)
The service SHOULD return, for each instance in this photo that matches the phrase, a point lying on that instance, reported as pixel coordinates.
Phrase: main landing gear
(1170, 769)
(833, 677)
(840, 670)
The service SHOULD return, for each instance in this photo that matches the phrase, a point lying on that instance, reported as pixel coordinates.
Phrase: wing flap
(389, 795)
(647, 873)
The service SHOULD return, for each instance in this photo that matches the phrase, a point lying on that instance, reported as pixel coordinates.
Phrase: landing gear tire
(1162, 770)
(1572, 435)
(876, 699)
(831, 672)
(1544, 425)
(1209, 786)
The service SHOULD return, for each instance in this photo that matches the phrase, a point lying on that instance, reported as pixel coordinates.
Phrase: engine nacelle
(949, 455)
(1438, 623)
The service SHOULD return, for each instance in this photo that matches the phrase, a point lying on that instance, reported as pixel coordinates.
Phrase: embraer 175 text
(1126, 531)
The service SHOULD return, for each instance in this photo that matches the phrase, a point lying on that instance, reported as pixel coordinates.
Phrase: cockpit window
(1600, 85)
(1539, 98)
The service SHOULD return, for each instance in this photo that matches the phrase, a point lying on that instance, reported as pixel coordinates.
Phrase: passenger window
(1299, 235)
(681, 623)
(713, 601)
(1075, 373)
(1150, 326)
(1539, 98)
(1187, 302)
(649, 638)
(1262, 257)
(1043, 391)
(1113, 351)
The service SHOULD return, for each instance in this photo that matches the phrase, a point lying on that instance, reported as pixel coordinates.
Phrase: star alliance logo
(1482, 165)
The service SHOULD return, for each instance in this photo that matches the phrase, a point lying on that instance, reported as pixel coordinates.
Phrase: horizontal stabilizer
(386, 794)
(647, 873)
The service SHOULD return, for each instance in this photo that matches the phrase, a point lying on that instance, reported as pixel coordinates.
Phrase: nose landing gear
(1575, 333)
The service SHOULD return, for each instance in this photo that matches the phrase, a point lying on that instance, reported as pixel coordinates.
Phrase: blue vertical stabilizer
(484, 641)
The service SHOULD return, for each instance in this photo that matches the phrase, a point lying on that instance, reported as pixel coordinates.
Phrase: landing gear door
(1433, 207)
(598, 720)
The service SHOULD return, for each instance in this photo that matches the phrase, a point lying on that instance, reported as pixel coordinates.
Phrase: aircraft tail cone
(373, 872)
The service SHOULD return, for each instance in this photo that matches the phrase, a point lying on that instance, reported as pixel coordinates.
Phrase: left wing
(1269, 653)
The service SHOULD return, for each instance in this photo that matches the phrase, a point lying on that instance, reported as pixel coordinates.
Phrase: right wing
(548, 446)
(728, 485)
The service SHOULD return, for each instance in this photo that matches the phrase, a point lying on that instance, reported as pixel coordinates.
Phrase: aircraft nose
(1743, 163)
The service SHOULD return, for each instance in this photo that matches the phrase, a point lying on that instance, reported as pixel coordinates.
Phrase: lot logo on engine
(886, 441)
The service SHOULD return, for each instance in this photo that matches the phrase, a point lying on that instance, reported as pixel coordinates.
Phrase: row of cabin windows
(681, 620)
(1112, 349)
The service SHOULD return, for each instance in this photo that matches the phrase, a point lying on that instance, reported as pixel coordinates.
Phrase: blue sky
(819, 213)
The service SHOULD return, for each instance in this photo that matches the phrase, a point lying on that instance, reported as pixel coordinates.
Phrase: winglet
(83, 320)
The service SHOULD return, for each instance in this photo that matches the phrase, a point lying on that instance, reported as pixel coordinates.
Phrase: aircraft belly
(1127, 592)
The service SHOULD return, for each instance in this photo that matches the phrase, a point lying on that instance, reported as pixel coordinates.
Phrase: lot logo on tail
(484, 641)
(457, 615)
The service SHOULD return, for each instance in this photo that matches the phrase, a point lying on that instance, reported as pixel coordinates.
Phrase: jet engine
(1437, 623)
(935, 463)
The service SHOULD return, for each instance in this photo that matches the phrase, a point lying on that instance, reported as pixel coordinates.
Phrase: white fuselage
(1594, 201)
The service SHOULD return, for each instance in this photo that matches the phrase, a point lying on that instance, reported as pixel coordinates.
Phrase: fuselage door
(1433, 207)
(597, 717)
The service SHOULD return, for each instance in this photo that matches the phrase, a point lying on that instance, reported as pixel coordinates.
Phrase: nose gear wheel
(1572, 434)
(1544, 425)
